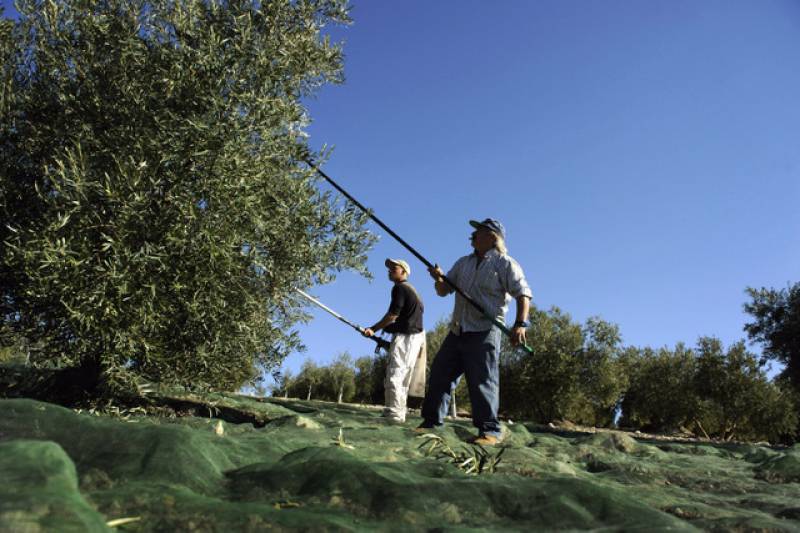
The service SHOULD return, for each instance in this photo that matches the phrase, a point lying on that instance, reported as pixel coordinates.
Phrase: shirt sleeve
(398, 300)
(453, 275)
(515, 283)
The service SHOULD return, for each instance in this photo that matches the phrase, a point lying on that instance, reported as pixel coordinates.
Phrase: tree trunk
(453, 404)
(702, 428)
(341, 393)
(730, 431)
(308, 397)
(73, 386)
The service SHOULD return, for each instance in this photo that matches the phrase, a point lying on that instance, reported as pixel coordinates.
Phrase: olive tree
(714, 392)
(307, 381)
(660, 395)
(736, 398)
(573, 373)
(341, 374)
(156, 205)
(776, 326)
(370, 373)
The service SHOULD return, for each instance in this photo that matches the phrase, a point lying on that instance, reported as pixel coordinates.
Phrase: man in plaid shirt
(472, 347)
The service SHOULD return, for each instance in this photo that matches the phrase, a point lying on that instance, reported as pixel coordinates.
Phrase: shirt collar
(489, 253)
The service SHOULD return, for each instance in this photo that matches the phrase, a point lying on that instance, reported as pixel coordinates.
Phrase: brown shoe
(485, 440)
(423, 429)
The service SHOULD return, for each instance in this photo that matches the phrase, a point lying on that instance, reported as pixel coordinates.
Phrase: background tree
(283, 382)
(307, 381)
(660, 396)
(777, 327)
(155, 209)
(542, 386)
(719, 384)
(775, 417)
(601, 376)
(363, 379)
(710, 391)
(736, 399)
(370, 376)
(342, 376)
(573, 373)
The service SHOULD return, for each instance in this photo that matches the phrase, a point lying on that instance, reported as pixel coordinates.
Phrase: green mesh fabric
(323, 466)
(39, 490)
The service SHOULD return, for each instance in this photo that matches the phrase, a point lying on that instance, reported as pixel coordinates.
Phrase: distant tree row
(367, 373)
(710, 391)
(583, 373)
(344, 380)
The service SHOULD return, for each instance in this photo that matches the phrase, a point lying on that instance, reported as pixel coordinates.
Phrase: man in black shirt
(404, 321)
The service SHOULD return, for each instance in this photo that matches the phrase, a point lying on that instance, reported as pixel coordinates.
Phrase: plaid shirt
(492, 284)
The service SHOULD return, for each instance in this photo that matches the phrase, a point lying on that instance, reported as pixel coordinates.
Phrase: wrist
(521, 324)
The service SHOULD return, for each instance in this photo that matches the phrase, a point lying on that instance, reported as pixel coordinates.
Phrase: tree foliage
(601, 378)
(777, 327)
(572, 374)
(710, 391)
(369, 380)
(283, 381)
(307, 381)
(736, 399)
(660, 395)
(155, 209)
(340, 378)
(335, 382)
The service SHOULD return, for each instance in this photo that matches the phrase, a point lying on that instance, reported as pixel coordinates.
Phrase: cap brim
(389, 263)
(475, 224)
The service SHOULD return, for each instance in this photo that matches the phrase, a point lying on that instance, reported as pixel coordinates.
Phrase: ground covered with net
(232, 463)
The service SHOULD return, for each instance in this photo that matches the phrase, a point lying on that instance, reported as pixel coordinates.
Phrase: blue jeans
(475, 354)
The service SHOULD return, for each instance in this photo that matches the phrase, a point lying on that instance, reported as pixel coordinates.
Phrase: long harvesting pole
(416, 254)
(382, 343)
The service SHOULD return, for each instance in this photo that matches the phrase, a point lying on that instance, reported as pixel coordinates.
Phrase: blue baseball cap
(490, 224)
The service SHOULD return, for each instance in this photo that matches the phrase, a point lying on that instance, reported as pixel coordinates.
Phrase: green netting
(784, 468)
(323, 466)
(39, 490)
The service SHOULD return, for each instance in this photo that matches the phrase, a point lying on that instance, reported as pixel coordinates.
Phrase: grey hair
(500, 244)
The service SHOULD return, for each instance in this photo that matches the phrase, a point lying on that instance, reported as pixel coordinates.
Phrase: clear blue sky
(643, 156)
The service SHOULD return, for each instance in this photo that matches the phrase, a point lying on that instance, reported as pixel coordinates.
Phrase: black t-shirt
(407, 305)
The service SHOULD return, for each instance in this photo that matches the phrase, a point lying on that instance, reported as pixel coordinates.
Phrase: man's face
(396, 273)
(482, 240)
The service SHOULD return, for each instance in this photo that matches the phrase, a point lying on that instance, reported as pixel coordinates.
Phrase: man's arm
(518, 332)
(441, 286)
(387, 319)
(523, 306)
(395, 308)
(517, 286)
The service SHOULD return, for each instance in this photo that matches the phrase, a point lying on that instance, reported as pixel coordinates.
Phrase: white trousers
(402, 357)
